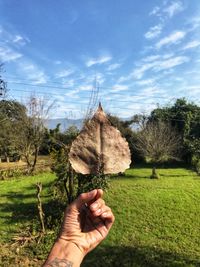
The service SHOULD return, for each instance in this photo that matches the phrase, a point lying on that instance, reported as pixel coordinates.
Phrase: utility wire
(171, 119)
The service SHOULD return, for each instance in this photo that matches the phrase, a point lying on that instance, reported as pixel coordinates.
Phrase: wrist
(65, 250)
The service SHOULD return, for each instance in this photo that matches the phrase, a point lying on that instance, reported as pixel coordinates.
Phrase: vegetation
(156, 221)
(22, 130)
(3, 85)
(185, 117)
(158, 142)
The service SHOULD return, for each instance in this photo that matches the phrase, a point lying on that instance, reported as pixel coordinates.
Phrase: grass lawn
(157, 221)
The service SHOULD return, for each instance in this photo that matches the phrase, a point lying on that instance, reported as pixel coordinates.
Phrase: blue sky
(141, 53)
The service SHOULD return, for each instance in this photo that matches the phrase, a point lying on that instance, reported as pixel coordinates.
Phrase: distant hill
(64, 123)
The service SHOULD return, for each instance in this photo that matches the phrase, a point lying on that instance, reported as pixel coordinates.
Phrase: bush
(89, 182)
(11, 172)
(196, 164)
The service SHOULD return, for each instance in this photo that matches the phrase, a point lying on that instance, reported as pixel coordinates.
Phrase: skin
(87, 222)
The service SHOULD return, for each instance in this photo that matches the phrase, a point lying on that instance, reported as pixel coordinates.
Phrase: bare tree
(3, 85)
(158, 142)
(32, 128)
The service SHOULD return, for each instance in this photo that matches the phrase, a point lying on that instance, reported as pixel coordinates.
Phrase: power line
(100, 87)
(40, 86)
(79, 109)
(104, 95)
(78, 101)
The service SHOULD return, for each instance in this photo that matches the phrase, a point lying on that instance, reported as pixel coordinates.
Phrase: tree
(3, 87)
(158, 142)
(59, 146)
(11, 114)
(31, 130)
(185, 116)
(125, 127)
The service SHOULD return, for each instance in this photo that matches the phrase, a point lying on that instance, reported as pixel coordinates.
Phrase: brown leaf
(99, 148)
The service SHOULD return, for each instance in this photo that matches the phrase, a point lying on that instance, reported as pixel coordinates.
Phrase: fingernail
(104, 214)
(91, 193)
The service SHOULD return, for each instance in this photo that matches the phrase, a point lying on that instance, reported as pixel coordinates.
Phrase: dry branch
(40, 210)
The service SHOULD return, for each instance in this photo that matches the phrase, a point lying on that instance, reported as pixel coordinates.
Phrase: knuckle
(113, 217)
(107, 209)
(103, 202)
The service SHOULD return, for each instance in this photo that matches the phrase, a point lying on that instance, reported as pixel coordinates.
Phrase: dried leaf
(99, 148)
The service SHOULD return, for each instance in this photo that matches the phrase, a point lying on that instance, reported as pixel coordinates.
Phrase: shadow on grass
(23, 212)
(175, 175)
(136, 257)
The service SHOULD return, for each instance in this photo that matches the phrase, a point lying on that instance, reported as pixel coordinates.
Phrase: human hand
(87, 221)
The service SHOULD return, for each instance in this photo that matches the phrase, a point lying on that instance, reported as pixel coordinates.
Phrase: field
(157, 221)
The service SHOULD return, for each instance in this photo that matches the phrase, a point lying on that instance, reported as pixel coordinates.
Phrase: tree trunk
(32, 167)
(154, 174)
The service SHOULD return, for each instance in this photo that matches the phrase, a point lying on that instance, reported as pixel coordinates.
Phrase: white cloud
(146, 82)
(124, 78)
(7, 54)
(114, 66)
(170, 63)
(167, 12)
(156, 57)
(98, 77)
(191, 44)
(33, 72)
(154, 11)
(17, 39)
(139, 72)
(173, 38)
(158, 65)
(100, 60)
(193, 23)
(153, 32)
(64, 73)
(119, 87)
(68, 82)
(20, 40)
(174, 8)
(151, 58)
(149, 91)
(85, 88)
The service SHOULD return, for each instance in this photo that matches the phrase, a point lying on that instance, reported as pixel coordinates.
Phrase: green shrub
(11, 172)
(196, 164)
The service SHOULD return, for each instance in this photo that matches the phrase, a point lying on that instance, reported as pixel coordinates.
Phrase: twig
(40, 210)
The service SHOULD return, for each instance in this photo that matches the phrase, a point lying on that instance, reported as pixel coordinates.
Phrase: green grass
(18, 202)
(157, 221)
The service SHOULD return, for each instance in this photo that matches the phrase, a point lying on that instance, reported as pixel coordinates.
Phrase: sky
(133, 55)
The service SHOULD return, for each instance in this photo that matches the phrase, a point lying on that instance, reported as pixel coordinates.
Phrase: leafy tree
(185, 117)
(11, 114)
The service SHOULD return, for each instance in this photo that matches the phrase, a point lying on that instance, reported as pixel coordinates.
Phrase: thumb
(88, 197)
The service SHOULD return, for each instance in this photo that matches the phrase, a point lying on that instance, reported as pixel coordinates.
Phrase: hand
(87, 221)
